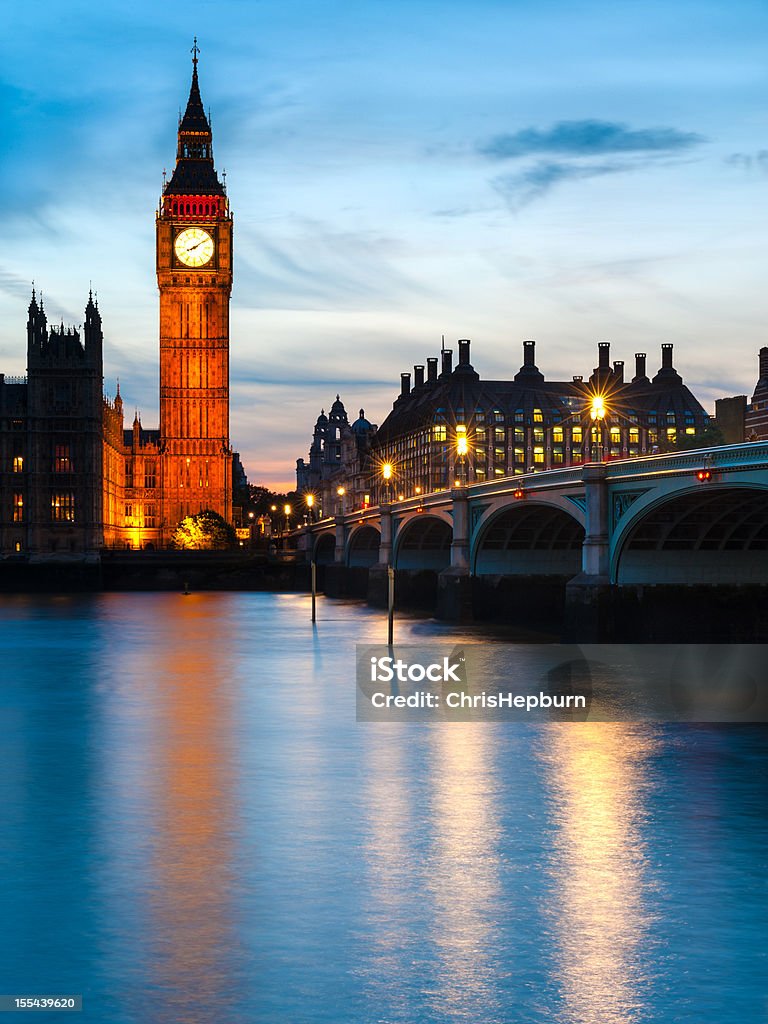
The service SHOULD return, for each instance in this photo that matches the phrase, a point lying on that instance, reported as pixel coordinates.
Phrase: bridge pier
(338, 554)
(454, 584)
(588, 596)
(378, 580)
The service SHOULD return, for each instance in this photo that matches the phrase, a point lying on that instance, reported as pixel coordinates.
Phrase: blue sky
(569, 172)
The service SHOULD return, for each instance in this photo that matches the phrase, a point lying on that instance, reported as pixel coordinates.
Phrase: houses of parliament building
(72, 477)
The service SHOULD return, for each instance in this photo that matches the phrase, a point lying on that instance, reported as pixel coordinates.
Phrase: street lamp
(598, 413)
(310, 500)
(386, 472)
(287, 510)
(462, 450)
(341, 491)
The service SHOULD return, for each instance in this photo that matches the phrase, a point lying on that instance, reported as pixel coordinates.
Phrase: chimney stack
(529, 353)
(666, 356)
(418, 376)
(447, 363)
(640, 373)
(618, 370)
(405, 384)
(464, 351)
(764, 365)
(603, 355)
(431, 369)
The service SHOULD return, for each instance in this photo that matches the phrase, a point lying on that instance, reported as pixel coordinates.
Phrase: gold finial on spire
(194, 51)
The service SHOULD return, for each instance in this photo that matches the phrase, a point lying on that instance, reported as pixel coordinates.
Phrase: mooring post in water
(314, 590)
(390, 604)
(186, 588)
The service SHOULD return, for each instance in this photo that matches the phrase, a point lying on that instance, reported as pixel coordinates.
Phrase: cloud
(749, 161)
(523, 187)
(588, 138)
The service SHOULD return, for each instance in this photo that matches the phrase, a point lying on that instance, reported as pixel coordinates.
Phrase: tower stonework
(194, 276)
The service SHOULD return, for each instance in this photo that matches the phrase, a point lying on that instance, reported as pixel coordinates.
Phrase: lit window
(671, 433)
(634, 435)
(538, 435)
(18, 508)
(499, 454)
(499, 434)
(63, 508)
(498, 415)
(440, 432)
(576, 435)
(18, 464)
(498, 471)
(557, 435)
(519, 455)
(61, 459)
(690, 430)
(538, 456)
(480, 435)
(538, 416)
(615, 435)
(557, 457)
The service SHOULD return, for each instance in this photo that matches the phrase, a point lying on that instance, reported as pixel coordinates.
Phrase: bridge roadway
(676, 520)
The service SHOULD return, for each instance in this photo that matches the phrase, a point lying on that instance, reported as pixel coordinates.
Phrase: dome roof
(338, 412)
(322, 419)
(361, 424)
(337, 409)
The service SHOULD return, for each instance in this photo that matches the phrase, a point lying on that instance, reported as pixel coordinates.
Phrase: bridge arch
(529, 538)
(707, 534)
(363, 545)
(324, 549)
(423, 542)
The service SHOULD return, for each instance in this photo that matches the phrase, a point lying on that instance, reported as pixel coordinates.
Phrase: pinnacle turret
(194, 173)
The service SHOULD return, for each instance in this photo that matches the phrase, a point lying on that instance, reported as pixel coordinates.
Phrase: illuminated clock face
(194, 247)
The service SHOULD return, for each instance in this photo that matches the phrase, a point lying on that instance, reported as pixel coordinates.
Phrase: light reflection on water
(196, 829)
(601, 917)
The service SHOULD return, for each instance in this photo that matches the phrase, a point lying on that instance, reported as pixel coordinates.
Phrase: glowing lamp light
(418, 490)
(310, 500)
(598, 410)
(386, 470)
(273, 508)
(401, 497)
(518, 493)
(703, 475)
(341, 491)
(462, 445)
(287, 509)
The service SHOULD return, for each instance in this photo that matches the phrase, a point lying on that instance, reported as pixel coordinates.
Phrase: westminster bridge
(650, 541)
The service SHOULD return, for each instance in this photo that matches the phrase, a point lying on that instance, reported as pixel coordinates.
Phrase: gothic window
(18, 464)
(149, 517)
(18, 508)
(63, 507)
(61, 459)
(150, 475)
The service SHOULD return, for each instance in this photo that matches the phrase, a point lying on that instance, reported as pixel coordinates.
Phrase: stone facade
(72, 478)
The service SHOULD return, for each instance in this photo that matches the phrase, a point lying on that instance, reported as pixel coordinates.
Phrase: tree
(204, 531)
(709, 437)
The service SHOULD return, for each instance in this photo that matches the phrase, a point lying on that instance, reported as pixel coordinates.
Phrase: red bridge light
(703, 475)
(519, 492)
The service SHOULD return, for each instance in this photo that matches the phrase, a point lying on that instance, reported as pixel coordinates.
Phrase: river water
(196, 829)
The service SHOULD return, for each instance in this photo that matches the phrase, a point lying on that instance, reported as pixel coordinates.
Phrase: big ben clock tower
(194, 275)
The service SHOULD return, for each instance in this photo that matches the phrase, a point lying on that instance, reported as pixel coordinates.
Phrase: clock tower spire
(194, 276)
